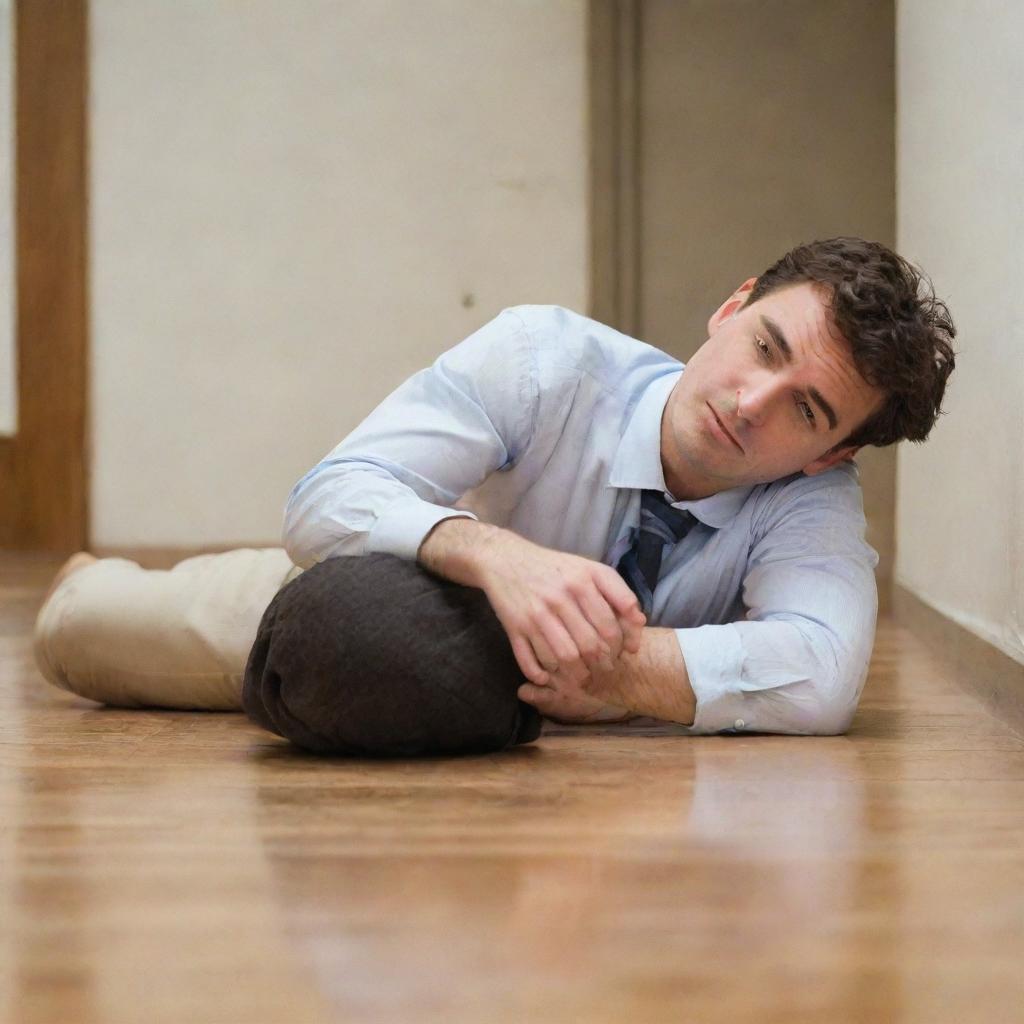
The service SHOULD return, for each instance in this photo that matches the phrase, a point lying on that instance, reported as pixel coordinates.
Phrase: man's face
(774, 408)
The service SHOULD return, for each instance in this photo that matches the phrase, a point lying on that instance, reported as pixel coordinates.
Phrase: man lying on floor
(557, 518)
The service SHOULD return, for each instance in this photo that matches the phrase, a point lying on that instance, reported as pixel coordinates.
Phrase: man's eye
(810, 412)
(762, 346)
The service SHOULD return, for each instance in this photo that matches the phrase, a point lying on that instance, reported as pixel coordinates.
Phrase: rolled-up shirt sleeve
(437, 436)
(798, 662)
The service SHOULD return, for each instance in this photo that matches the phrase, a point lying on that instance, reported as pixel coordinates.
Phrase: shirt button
(740, 723)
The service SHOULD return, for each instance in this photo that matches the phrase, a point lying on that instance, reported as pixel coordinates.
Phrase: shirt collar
(637, 462)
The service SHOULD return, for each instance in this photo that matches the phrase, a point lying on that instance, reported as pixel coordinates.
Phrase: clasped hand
(568, 619)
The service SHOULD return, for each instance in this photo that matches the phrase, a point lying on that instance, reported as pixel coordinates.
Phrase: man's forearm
(562, 612)
(454, 548)
(653, 682)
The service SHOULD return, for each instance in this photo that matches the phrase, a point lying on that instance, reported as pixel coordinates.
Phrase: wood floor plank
(168, 866)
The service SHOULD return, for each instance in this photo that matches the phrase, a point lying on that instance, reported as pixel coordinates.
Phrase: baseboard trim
(980, 668)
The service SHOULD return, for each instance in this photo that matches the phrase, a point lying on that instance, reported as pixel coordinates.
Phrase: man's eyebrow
(787, 355)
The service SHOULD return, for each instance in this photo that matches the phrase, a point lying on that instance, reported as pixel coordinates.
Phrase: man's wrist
(457, 548)
(652, 682)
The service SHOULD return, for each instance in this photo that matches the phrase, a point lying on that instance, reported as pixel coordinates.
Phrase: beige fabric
(179, 638)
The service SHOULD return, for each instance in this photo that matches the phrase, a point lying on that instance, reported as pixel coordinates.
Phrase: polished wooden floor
(177, 867)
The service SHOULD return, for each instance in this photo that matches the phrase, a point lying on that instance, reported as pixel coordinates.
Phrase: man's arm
(652, 682)
(797, 662)
(645, 675)
(395, 479)
(437, 436)
(562, 613)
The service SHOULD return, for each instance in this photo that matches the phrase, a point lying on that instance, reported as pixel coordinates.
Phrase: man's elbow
(819, 704)
(834, 703)
(309, 541)
(295, 539)
(835, 678)
(304, 540)
(831, 721)
(304, 532)
(810, 718)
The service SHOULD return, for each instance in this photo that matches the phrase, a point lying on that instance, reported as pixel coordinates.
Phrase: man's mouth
(721, 426)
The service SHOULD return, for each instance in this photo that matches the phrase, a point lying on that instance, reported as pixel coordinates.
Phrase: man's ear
(731, 306)
(831, 458)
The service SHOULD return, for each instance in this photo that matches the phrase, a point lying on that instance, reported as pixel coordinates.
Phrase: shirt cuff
(714, 662)
(401, 527)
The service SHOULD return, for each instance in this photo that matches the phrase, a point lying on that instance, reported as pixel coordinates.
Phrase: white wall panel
(294, 206)
(960, 202)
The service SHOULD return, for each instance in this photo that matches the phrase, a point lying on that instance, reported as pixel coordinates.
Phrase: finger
(527, 661)
(531, 693)
(633, 638)
(596, 654)
(542, 653)
(626, 607)
(551, 705)
(542, 698)
(623, 601)
(562, 652)
(596, 608)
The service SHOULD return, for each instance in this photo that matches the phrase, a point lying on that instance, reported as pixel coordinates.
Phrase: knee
(374, 655)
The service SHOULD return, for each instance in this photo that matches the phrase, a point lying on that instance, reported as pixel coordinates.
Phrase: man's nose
(754, 402)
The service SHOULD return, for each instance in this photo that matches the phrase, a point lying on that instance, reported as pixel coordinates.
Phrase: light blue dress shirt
(549, 424)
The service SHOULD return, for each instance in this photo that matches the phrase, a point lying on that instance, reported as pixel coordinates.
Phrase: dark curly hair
(899, 332)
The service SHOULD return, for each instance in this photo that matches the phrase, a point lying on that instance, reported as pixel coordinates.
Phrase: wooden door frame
(613, 87)
(44, 467)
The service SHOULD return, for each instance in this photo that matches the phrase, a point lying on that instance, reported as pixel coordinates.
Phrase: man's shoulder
(568, 337)
(837, 489)
(559, 324)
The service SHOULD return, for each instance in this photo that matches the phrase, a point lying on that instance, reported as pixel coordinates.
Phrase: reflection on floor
(180, 867)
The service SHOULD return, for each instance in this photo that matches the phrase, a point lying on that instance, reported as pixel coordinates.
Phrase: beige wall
(960, 132)
(294, 206)
(762, 125)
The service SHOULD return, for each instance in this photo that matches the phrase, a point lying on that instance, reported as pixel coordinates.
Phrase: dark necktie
(660, 525)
